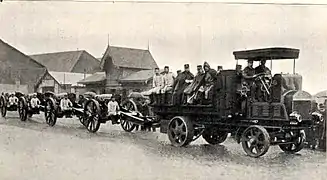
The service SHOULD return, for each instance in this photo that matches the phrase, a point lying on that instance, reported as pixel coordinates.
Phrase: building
(18, 72)
(69, 61)
(124, 70)
(59, 82)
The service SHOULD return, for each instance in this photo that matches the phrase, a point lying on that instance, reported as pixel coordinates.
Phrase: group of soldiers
(187, 88)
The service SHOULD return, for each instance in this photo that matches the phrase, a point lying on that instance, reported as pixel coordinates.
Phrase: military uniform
(191, 90)
(185, 79)
(210, 77)
(262, 69)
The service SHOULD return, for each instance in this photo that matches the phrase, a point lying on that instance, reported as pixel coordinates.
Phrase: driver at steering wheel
(262, 70)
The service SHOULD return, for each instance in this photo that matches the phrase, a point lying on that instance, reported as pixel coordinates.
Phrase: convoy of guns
(257, 108)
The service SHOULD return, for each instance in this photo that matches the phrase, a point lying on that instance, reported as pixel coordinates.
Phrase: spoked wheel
(125, 124)
(214, 135)
(180, 131)
(50, 112)
(81, 119)
(297, 145)
(22, 109)
(255, 141)
(92, 115)
(3, 106)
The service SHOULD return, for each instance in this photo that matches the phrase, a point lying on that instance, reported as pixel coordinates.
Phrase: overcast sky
(178, 33)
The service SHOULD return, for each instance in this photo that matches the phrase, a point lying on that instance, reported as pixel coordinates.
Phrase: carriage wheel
(3, 106)
(81, 119)
(214, 136)
(50, 112)
(180, 131)
(255, 141)
(296, 146)
(92, 116)
(22, 109)
(127, 125)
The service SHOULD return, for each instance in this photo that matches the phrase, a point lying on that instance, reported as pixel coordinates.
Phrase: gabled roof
(129, 58)
(68, 78)
(140, 76)
(94, 78)
(15, 64)
(59, 61)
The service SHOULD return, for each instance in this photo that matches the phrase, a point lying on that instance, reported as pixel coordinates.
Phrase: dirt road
(33, 151)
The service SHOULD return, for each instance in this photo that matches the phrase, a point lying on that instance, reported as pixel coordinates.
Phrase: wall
(14, 87)
(97, 88)
(137, 87)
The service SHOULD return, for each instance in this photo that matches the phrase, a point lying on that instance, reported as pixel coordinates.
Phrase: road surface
(33, 151)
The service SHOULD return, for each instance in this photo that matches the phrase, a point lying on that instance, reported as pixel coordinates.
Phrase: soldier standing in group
(191, 90)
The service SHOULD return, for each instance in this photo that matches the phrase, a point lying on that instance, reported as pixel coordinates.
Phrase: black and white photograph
(163, 89)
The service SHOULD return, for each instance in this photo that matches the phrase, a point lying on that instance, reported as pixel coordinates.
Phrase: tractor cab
(270, 87)
(278, 96)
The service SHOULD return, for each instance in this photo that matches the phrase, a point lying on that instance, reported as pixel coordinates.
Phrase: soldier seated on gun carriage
(12, 101)
(34, 103)
(66, 106)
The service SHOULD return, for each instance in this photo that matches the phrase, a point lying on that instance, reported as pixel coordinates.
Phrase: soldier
(248, 71)
(157, 84)
(210, 77)
(185, 79)
(220, 68)
(35, 102)
(13, 100)
(260, 95)
(262, 68)
(168, 80)
(66, 106)
(113, 110)
(191, 90)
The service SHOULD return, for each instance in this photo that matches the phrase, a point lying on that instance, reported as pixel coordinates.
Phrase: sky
(176, 33)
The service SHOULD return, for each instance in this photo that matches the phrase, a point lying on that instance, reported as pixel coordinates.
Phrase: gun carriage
(53, 111)
(6, 105)
(96, 111)
(135, 112)
(25, 108)
(278, 117)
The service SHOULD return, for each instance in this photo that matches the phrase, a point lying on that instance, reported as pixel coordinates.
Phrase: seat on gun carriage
(65, 105)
